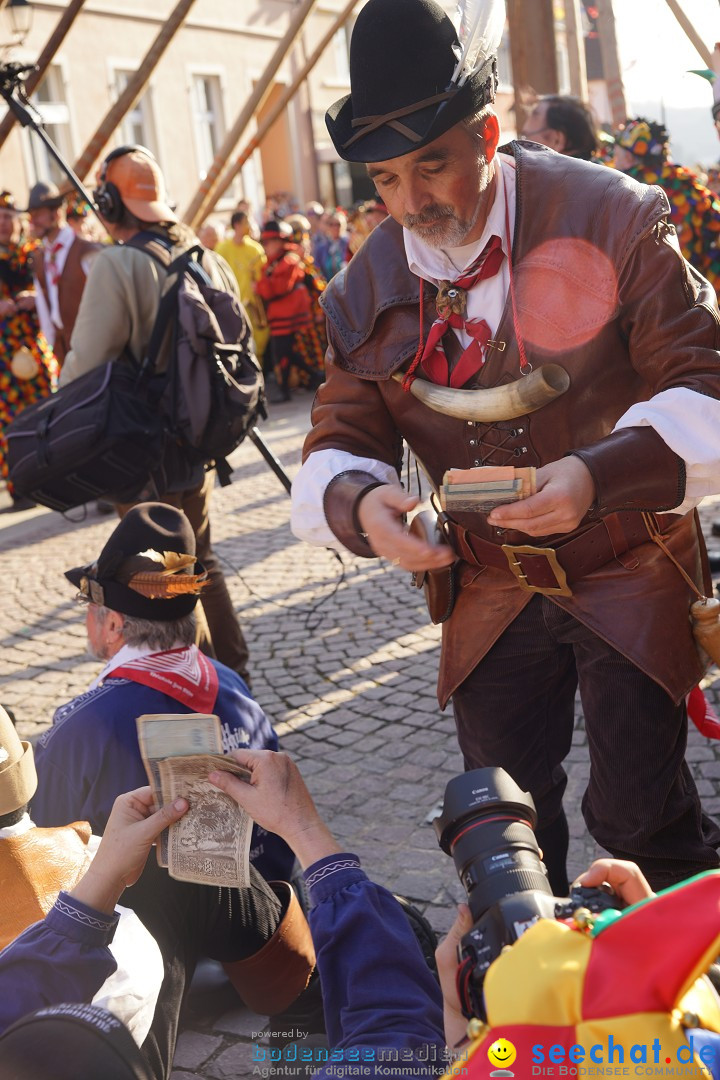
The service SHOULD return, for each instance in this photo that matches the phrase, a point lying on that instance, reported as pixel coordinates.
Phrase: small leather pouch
(438, 585)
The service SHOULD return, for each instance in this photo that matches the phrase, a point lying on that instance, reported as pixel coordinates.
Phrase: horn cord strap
(410, 373)
(525, 366)
(368, 124)
(654, 534)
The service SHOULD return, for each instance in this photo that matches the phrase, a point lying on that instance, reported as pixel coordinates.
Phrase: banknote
(210, 845)
(165, 735)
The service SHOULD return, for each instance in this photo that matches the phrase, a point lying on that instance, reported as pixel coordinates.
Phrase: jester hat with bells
(18, 779)
(147, 568)
(414, 75)
(634, 976)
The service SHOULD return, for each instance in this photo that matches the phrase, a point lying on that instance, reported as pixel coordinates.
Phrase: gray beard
(447, 230)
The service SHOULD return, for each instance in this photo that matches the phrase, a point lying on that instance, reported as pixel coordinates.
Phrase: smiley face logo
(502, 1053)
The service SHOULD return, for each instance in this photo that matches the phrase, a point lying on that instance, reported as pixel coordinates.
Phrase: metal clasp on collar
(511, 552)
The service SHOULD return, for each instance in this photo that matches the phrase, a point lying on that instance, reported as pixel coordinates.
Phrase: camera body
(487, 824)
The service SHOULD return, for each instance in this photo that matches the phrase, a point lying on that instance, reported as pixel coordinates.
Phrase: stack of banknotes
(484, 488)
(211, 843)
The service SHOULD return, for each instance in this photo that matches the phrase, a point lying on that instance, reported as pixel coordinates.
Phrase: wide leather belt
(552, 570)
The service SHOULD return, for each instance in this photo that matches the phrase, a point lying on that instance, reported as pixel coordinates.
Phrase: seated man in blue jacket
(140, 596)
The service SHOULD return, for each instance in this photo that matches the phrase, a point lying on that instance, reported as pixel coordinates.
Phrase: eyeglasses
(82, 599)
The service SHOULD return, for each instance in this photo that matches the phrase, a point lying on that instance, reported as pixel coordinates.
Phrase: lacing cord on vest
(655, 536)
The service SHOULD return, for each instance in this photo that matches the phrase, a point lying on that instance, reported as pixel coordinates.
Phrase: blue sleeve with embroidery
(63, 959)
(382, 1004)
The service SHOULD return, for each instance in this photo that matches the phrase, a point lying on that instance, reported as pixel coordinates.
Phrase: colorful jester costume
(694, 208)
(19, 333)
(310, 342)
(625, 990)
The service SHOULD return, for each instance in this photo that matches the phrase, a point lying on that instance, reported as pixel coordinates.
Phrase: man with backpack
(116, 320)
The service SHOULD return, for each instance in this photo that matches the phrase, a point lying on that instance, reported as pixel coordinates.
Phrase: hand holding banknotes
(565, 493)
(133, 827)
(276, 798)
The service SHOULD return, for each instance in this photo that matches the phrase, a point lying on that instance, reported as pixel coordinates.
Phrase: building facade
(194, 96)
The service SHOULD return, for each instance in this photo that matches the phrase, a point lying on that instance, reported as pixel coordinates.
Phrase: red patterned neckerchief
(451, 304)
(183, 674)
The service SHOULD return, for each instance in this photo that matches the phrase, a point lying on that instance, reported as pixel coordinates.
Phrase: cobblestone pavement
(344, 662)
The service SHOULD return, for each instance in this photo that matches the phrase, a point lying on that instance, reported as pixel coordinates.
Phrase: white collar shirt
(55, 253)
(123, 656)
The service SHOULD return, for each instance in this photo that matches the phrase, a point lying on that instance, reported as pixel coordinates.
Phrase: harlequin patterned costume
(18, 331)
(694, 211)
(634, 977)
(694, 208)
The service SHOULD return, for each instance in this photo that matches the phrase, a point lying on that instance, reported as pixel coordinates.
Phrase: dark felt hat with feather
(413, 76)
(147, 568)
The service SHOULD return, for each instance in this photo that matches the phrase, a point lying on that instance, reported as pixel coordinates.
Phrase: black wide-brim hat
(150, 526)
(402, 57)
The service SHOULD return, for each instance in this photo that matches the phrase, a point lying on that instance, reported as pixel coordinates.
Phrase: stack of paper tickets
(482, 489)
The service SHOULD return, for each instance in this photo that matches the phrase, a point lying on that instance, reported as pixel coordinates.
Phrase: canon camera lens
(487, 826)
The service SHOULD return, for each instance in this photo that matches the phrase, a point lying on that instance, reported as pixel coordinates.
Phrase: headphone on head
(108, 199)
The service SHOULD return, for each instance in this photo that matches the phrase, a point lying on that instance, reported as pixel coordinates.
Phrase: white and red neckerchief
(487, 297)
(184, 674)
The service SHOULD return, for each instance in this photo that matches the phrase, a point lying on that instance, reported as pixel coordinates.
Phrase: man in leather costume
(599, 288)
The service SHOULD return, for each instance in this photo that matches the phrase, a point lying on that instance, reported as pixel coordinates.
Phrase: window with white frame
(51, 102)
(208, 118)
(138, 125)
(341, 49)
(505, 79)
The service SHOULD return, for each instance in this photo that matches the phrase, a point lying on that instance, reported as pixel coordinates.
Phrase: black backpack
(127, 428)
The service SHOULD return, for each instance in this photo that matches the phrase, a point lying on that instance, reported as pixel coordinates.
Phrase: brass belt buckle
(511, 551)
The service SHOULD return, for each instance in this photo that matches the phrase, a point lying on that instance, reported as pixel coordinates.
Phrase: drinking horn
(505, 402)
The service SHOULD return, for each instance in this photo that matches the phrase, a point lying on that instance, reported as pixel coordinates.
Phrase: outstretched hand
(380, 514)
(277, 799)
(133, 827)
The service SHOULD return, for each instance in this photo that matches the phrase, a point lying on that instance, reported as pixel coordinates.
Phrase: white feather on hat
(479, 25)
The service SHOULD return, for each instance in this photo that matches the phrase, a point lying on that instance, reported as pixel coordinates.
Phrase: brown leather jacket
(34, 867)
(601, 290)
(70, 289)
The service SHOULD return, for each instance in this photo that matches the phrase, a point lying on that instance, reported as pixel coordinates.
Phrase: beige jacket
(120, 302)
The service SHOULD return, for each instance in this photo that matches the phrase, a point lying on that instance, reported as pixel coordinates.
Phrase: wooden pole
(206, 195)
(532, 51)
(133, 89)
(267, 122)
(691, 32)
(611, 61)
(53, 44)
(576, 50)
